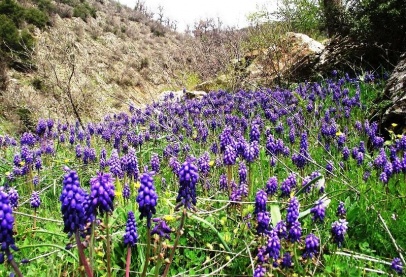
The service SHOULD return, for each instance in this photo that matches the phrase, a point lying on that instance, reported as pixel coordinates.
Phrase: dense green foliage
(379, 23)
(84, 10)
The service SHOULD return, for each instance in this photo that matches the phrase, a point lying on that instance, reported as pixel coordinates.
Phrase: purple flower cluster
(292, 211)
(35, 201)
(271, 186)
(318, 211)
(102, 193)
(338, 230)
(6, 227)
(260, 202)
(147, 198)
(155, 163)
(312, 245)
(188, 177)
(73, 199)
(130, 237)
(13, 197)
(161, 228)
(397, 266)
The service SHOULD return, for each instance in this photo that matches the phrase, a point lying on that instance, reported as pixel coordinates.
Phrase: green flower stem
(147, 254)
(229, 178)
(178, 234)
(14, 265)
(295, 255)
(249, 180)
(35, 219)
(128, 263)
(82, 257)
(159, 260)
(108, 246)
(91, 248)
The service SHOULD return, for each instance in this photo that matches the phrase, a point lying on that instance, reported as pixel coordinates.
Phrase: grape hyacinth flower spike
(6, 231)
(338, 230)
(35, 202)
(147, 200)
(102, 193)
(102, 201)
(397, 266)
(130, 239)
(188, 177)
(312, 244)
(72, 200)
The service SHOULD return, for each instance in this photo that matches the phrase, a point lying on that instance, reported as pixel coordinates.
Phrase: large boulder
(393, 100)
(290, 59)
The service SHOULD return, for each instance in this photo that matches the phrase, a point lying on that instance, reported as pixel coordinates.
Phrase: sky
(232, 12)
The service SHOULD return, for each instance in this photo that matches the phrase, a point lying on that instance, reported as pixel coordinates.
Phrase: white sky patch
(187, 12)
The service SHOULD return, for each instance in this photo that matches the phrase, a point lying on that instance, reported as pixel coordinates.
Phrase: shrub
(84, 11)
(12, 10)
(36, 17)
(380, 22)
(46, 6)
(8, 33)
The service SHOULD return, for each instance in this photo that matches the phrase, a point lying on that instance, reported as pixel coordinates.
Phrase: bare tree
(160, 14)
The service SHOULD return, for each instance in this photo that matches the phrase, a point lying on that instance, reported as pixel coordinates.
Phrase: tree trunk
(332, 12)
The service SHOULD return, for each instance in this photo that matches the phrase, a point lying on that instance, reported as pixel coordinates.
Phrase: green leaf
(315, 180)
(214, 229)
(275, 214)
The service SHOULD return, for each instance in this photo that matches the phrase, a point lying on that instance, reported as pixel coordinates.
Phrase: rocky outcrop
(179, 95)
(289, 60)
(393, 100)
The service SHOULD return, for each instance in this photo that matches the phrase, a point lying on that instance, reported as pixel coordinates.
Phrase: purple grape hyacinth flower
(242, 172)
(131, 164)
(6, 227)
(161, 228)
(263, 219)
(155, 163)
(260, 202)
(259, 271)
(35, 201)
(286, 260)
(147, 198)
(397, 265)
(102, 193)
(318, 211)
(273, 246)
(341, 212)
(115, 164)
(13, 197)
(295, 231)
(126, 191)
(338, 230)
(188, 177)
(271, 186)
(230, 155)
(130, 236)
(292, 211)
(312, 244)
(72, 199)
(281, 229)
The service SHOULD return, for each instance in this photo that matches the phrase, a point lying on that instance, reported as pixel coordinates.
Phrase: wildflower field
(272, 182)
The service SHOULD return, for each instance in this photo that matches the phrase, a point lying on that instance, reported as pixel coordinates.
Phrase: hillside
(105, 62)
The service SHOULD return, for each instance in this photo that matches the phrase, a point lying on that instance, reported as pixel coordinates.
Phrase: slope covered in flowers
(266, 182)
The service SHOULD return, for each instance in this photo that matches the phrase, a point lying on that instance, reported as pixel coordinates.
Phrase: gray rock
(394, 99)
